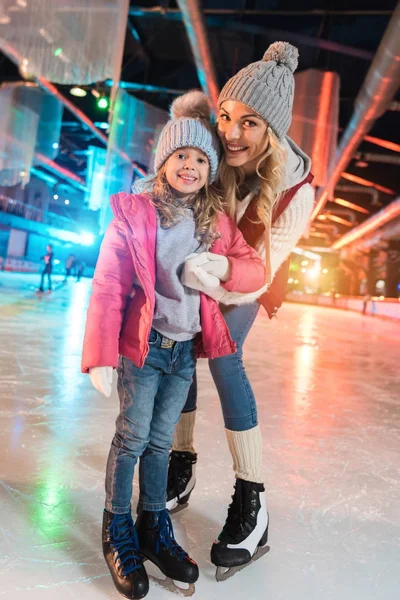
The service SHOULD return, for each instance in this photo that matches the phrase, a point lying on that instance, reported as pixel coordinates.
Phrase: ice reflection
(71, 348)
(304, 365)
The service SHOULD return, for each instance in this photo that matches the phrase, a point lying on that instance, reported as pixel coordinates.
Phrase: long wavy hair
(270, 170)
(207, 205)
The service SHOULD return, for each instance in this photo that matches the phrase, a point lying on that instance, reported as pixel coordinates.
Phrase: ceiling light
(78, 92)
(103, 103)
(362, 164)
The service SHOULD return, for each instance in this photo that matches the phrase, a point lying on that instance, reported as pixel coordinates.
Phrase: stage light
(55, 196)
(55, 145)
(66, 201)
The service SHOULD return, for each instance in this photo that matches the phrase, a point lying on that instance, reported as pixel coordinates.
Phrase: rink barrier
(376, 306)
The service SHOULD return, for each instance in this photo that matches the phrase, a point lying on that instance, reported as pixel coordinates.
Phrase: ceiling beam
(377, 91)
(161, 10)
(213, 21)
(382, 217)
(196, 31)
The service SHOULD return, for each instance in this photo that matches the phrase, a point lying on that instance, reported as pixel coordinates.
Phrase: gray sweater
(177, 310)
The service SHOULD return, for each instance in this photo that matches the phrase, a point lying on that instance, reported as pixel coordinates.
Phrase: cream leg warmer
(245, 447)
(183, 438)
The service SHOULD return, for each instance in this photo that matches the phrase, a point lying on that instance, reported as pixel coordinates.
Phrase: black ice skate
(245, 533)
(121, 551)
(157, 543)
(181, 479)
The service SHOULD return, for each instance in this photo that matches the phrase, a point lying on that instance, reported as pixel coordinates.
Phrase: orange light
(367, 183)
(383, 143)
(381, 218)
(348, 204)
(339, 220)
(321, 148)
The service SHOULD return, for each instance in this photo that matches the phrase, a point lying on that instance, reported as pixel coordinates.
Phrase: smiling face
(243, 133)
(187, 171)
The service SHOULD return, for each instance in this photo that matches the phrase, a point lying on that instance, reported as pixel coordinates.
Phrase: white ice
(327, 384)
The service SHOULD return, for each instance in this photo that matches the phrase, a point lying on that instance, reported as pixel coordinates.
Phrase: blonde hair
(270, 169)
(206, 204)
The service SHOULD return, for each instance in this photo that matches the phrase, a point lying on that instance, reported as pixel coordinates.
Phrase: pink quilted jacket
(121, 307)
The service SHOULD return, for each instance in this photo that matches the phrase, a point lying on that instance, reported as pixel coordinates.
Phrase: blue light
(86, 238)
(55, 145)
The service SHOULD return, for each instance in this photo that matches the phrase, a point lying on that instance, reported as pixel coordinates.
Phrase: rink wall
(387, 308)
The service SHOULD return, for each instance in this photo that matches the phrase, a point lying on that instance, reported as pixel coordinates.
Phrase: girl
(266, 182)
(141, 311)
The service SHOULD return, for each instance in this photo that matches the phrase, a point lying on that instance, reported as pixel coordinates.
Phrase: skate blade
(171, 586)
(178, 508)
(224, 573)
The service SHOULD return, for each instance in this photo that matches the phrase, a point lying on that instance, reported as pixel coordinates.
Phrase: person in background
(48, 268)
(69, 265)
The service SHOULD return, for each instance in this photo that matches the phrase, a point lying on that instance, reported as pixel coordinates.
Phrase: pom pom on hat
(192, 105)
(283, 53)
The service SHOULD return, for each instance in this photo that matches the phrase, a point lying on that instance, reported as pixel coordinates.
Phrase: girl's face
(187, 171)
(243, 133)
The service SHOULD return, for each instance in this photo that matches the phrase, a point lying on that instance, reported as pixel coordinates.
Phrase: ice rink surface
(328, 390)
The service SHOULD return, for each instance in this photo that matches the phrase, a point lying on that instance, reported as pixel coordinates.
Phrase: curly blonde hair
(270, 169)
(207, 205)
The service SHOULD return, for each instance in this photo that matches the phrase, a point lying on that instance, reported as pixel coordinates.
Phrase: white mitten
(195, 277)
(101, 378)
(218, 265)
(193, 274)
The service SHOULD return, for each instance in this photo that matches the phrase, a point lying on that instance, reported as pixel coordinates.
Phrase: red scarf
(273, 298)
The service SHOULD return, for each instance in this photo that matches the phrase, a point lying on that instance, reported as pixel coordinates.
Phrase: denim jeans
(238, 403)
(151, 400)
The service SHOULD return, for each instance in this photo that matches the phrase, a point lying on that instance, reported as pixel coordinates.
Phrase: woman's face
(243, 134)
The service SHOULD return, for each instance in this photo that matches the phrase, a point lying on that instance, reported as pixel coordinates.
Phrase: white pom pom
(193, 105)
(283, 53)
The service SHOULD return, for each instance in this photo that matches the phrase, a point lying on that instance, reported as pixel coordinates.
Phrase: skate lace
(166, 537)
(238, 517)
(125, 543)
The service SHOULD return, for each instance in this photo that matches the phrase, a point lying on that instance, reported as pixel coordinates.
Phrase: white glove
(193, 274)
(101, 378)
(218, 265)
(195, 277)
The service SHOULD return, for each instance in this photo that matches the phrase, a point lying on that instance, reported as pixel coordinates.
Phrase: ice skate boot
(181, 479)
(157, 544)
(245, 534)
(121, 552)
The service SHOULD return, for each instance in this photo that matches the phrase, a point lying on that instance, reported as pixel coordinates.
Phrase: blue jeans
(236, 396)
(151, 400)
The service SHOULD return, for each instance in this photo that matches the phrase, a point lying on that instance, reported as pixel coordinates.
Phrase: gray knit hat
(190, 125)
(267, 86)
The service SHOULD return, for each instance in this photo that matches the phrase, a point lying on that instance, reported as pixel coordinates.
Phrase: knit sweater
(287, 229)
(285, 233)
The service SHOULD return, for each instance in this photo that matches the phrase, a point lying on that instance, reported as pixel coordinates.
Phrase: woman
(266, 180)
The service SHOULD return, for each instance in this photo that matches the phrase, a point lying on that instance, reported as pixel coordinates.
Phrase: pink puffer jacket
(121, 307)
